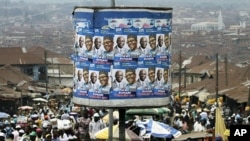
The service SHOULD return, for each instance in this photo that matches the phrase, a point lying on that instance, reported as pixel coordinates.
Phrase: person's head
(120, 41)
(142, 74)
(167, 40)
(98, 42)
(165, 75)
(88, 42)
(132, 41)
(79, 74)
(118, 76)
(85, 74)
(81, 41)
(48, 137)
(143, 42)
(93, 77)
(159, 74)
(152, 41)
(96, 117)
(160, 40)
(130, 76)
(103, 78)
(151, 74)
(108, 43)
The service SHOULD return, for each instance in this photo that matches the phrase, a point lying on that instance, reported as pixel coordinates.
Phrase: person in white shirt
(95, 125)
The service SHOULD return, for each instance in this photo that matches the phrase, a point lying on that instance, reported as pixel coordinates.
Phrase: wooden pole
(122, 124)
(180, 65)
(217, 80)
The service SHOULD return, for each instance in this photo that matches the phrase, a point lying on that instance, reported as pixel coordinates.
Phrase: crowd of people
(66, 125)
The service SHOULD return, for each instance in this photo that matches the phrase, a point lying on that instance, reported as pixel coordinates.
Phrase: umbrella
(25, 108)
(146, 111)
(220, 126)
(159, 129)
(129, 135)
(4, 115)
(40, 99)
(106, 117)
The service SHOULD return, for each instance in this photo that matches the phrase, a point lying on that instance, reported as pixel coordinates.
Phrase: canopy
(148, 111)
(195, 135)
(106, 117)
(25, 108)
(220, 126)
(4, 115)
(159, 129)
(40, 99)
(129, 135)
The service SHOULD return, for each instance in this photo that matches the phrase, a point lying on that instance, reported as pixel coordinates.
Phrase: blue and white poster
(127, 53)
(99, 81)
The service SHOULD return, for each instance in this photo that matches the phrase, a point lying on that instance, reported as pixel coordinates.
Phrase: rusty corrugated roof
(18, 55)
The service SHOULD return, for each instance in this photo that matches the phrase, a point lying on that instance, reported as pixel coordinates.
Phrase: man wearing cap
(95, 125)
(108, 44)
(132, 44)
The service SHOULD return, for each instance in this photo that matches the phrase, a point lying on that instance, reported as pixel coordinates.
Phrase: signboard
(122, 56)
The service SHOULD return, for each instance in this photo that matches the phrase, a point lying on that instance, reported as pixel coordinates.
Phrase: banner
(122, 57)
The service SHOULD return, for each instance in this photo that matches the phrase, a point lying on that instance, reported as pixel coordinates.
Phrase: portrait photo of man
(120, 48)
(142, 81)
(98, 49)
(119, 83)
(85, 84)
(80, 46)
(93, 83)
(133, 51)
(88, 46)
(143, 50)
(78, 81)
(104, 82)
(151, 77)
(130, 75)
(166, 83)
(159, 78)
(152, 44)
(108, 44)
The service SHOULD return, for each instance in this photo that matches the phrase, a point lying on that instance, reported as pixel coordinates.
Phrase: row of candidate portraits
(122, 80)
(132, 45)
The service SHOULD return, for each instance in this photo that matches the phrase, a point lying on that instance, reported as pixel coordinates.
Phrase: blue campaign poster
(123, 54)
(99, 81)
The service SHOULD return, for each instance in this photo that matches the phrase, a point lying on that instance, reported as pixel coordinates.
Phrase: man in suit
(142, 81)
(159, 80)
(93, 84)
(118, 83)
(143, 50)
(78, 80)
(120, 49)
(98, 50)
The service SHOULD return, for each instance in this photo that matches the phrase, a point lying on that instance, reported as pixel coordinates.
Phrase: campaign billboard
(122, 56)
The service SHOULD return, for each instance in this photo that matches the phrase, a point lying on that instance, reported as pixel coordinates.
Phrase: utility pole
(217, 80)
(226, 70)
(180, 65)
(46, 71)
